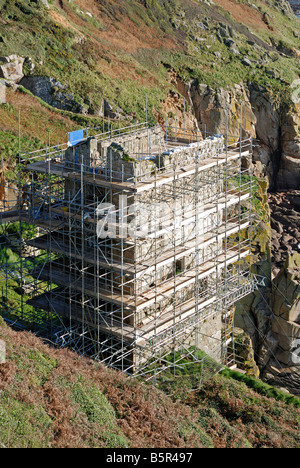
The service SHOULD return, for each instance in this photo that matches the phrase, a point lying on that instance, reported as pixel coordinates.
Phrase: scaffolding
(137, 246)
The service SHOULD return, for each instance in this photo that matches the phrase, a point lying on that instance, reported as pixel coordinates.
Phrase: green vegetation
(15, 292)
(258, 189)
(23, 425)
(70, 45)
(98, 410)
(261, 387)
(54, 398)
(79, 49)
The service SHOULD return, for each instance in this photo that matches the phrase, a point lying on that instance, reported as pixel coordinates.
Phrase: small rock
(202, 26)
(45, 3)
(234, 50)
(246, 61)
(229, 42)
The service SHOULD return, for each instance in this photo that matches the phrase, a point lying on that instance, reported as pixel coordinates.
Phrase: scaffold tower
(133, 245)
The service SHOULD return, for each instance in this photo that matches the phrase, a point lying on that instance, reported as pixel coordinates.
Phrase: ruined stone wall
(125, 165)
(170, 216)
(85, 153)
(191, 153)
(142, 142)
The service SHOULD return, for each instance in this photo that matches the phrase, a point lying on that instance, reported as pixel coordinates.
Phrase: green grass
(55, 52)
(99, 412)
(261, 387)
(9, 146)
(23, 425)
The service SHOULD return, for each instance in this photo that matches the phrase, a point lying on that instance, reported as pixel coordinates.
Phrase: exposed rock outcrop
(289, 168)
(284, 366)
(285, 223)
(219, 110)
(180, 117)
(253, 313)
(245, 352)
(53, 93)
(274, 125)
(267, 151)
(11, 68)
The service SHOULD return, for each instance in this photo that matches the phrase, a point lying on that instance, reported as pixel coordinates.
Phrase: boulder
(234, 49)
(109, 111)
(11, 68)
(246, 61)
(53, 93)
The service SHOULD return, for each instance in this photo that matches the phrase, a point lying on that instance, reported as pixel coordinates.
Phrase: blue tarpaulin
(75, 137)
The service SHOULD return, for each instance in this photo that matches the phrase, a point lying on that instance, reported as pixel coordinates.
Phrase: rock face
(276, 127)
(53, 93)
(11, 68)
(178, 121)
(245, 353)
(253, 313)
(260, 115)
(285, 223)
(268, 115)
(289, 170)
(217, 110)
(286, 308)
(271, 315)
(284, 366)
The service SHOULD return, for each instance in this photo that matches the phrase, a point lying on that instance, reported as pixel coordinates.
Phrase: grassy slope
(37, 120)
(127, 47)
(126, 50)
(53, 398)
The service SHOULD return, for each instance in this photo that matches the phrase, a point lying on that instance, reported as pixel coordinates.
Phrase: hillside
(161, 59)
(120, 50)
(53, 398)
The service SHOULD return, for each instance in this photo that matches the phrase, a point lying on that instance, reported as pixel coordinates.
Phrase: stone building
(147, 252)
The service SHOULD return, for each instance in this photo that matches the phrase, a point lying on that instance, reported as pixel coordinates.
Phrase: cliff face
(248, 109)
(270, 316)
(284, 366)
(289, 168)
